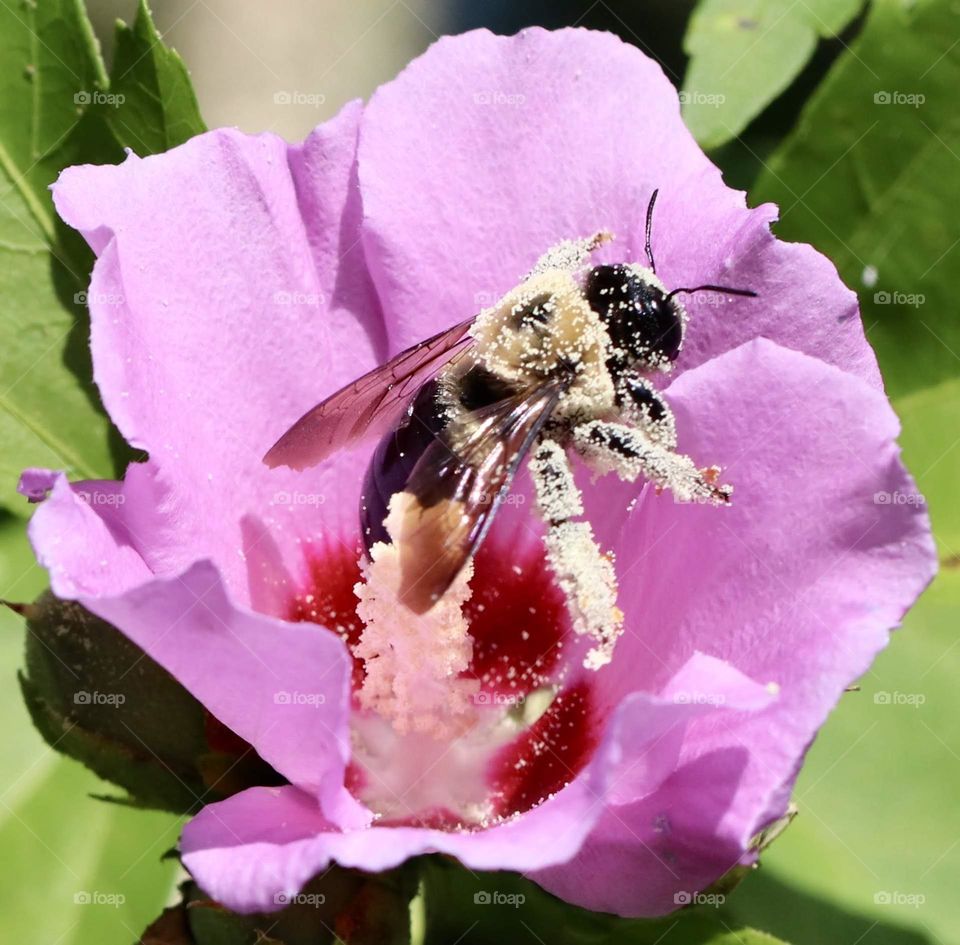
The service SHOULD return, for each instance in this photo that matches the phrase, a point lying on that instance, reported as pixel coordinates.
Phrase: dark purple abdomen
(393, 461)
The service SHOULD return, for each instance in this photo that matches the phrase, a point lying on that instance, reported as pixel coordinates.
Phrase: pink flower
(240, 279)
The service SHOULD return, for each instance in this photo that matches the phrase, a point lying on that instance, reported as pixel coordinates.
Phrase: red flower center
(518, 622)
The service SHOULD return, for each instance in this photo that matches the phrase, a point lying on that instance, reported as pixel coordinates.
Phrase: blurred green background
(845, 114)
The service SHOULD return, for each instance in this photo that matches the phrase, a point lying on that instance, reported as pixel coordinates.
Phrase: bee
(560, 365)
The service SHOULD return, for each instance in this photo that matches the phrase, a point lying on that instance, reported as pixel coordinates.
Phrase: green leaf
(62, 847)
(806, 919)
(931, 448)
(78, 870)
(877, 830)
(868, 174)
(744, 53)
(21, 578)
(48, 406)
(338, 906)
(48, 59)
(58, 843)
(60, 109)
(154, 104)
(873, 854)
(97, 697)
(866, 177)
(478, 908)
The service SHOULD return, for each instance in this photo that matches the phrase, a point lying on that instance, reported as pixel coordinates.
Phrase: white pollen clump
(544, 322)
(589, 582)
(413, 661)
(570, 255)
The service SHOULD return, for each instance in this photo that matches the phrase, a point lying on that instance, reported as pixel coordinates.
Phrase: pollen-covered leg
(585, 575)
(570, 255)
(629, 452)
(641, 404)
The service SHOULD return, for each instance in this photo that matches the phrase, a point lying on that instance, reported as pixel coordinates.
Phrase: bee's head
(643, 321)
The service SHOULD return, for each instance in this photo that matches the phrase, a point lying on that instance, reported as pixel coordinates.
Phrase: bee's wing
(370, 403)
(456, 486)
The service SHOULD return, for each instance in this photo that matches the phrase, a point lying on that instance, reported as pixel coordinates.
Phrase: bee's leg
(642, 406)
(570, 255)
(585, 574)
(630, 453)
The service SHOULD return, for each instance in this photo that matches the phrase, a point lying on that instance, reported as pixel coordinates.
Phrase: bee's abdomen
(394, 459)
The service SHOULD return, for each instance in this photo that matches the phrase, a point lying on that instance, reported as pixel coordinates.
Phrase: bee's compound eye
(661, 333)
(640, 319)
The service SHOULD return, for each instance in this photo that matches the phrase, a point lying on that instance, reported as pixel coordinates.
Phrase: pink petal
(487, 150)
(230, 294)
(283, 687)
(80, 543)
(797, 583)
(250, 850)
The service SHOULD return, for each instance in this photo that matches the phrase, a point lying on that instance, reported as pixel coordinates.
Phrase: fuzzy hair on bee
(560, 366)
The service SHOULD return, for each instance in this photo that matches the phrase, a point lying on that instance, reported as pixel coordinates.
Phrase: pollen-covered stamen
(517, 619)
(413, 662)
(518, 622)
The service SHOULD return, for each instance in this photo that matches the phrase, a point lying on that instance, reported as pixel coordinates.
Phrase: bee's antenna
(646, 245)
(747, 293)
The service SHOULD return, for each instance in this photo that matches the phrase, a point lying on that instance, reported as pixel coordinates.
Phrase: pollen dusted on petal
(413, 661)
